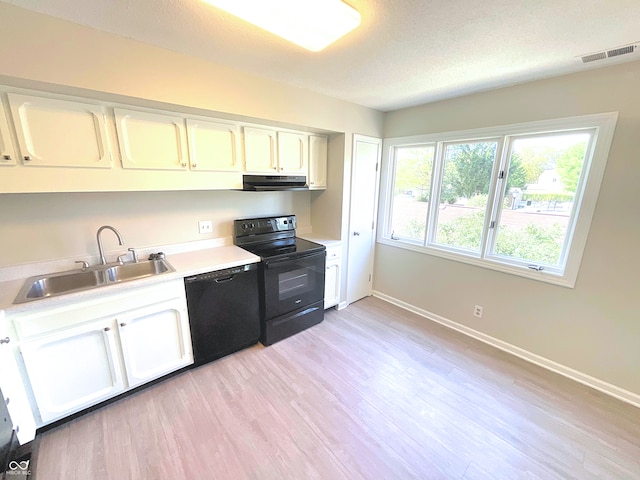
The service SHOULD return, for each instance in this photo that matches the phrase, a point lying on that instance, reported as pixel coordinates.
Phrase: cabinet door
(332, 284)
(213, 146)
(74, 369)
(14, 393)
(59, 133)
(292, 153)
(317, 162)
(155, 341)
(7, 154)
(151, 141)
(259, 150)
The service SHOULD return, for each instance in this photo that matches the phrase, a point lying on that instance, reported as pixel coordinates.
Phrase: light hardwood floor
(372, 392)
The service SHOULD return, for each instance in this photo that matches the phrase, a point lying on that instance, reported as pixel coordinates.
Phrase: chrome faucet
(103, 260)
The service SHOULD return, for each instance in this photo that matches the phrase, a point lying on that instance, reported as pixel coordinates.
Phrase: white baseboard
(604, 387)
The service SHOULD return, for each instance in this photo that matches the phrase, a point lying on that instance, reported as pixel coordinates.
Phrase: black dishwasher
(224, 311)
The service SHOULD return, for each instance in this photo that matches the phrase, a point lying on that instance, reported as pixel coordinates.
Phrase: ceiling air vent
(614, 52)
(621, 51)
(593, 57)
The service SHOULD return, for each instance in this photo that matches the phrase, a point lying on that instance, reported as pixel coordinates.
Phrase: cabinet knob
(184, 164)
(27, 158)
(106, 329)
(356, 234)
(4, 340)
(123, 324)
(6, 157)
(194, 165)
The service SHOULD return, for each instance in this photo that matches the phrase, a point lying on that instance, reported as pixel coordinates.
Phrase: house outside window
(515, 198)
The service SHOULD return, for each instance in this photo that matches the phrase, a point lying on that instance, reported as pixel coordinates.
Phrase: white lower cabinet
(78, 355)
(332, 276)
(155, 341)
(13, 389)
(75, 369)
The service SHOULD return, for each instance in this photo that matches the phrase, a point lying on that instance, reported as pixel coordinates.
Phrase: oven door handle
(268, 263)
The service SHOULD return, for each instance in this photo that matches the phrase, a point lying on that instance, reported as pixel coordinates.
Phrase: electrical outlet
(205, 226)
(477, 311)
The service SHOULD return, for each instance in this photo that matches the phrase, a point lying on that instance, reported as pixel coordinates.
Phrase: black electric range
(291, 275)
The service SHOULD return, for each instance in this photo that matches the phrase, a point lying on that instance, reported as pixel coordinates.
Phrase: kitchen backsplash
(49, 227)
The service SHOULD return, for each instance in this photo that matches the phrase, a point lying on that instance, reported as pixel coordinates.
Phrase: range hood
(272, 183)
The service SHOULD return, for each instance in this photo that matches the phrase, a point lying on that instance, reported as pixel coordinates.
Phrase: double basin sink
(54, 284)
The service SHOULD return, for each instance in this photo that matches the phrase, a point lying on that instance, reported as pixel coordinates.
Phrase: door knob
(356, 234)
(4, 340)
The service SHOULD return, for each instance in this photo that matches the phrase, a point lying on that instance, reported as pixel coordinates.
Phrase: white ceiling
(406, 52)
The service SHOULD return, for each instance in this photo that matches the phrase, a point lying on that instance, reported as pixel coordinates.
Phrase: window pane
(539, 197)
(411, 191)
(464, 193)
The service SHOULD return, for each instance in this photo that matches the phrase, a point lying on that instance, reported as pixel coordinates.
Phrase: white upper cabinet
(317, 162)
(275, 152)
(60, 133)
(151, 140)
(7, 153)
(259, 150)
(292, 153)
(92, 145)
(213, 146)
(155, 341)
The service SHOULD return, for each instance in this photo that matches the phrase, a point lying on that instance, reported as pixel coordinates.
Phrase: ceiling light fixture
(312, 24)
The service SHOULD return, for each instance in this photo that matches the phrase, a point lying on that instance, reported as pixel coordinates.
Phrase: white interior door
(362, 216)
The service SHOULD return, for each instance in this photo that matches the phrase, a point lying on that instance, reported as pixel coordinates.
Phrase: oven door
(291, 283)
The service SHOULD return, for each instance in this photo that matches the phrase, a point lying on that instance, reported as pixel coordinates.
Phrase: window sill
(540, 276)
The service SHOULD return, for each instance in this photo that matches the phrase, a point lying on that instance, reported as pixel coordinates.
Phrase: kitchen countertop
(326, 241)
(185, 264)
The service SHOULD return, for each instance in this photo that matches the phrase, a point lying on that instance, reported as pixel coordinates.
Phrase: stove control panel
(265, 225)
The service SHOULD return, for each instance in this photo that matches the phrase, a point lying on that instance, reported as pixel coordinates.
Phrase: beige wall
(44, 49)
(46, 226)
(593, 328)
(45, 53)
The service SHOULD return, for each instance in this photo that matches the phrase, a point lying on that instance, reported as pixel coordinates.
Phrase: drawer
(334, 252)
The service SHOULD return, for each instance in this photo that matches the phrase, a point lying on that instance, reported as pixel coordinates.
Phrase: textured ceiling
(406, 52)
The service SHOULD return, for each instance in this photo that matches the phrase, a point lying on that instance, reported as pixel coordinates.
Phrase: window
(516, 198)
(464, 191)
(412, 190)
